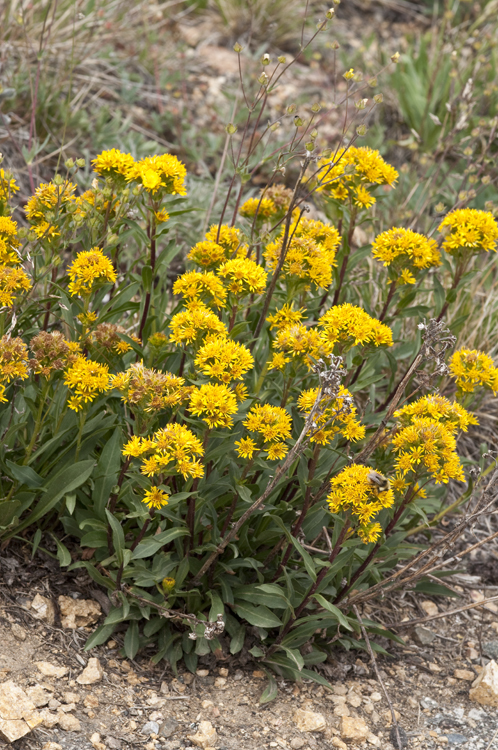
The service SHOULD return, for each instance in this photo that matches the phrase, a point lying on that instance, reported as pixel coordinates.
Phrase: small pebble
(152, 727)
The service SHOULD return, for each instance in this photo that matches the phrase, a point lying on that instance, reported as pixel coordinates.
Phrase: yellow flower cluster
(468, 229)
(311, 254)
(51, 352)
(48, 202)
(353, 492)
(217, 248)
(223, 359)
(406, 252)
(163, 172)
(8, 186)
(285, 316)
(228, 237)
(171, 450)
(192, 325)
(86, 379)
(272, 426)
(264, 207)
(13, 356)
(13, 279)
(202, 287)
(89, 271)
(243, 276)
(344, 176)
(336, 417)
(471, 368)
(214, 403)
(297, 344)
(428, 446)
(150, 390)
(439, 409)
(207, 254)
(113, 163)
(350, 325)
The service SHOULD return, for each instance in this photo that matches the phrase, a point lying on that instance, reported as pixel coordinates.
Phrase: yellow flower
(107, 337)
(191, 326)
(164, 172)
(363, 198)
(90, 270)
(48, 199)
(243, 276)
(272, 425)
(9, 244)
(224, 359)
(8, 185)
(246, 447)
(469, 229)
(113, 163)
(351, 325)
(207, 254)
(205, 287)
(149, 390)
(337, 416)
(311, 253)
(87, 379)
(214, 403)
(406, 252)
(88, 318)
(352, 491)
(13, 356)
(155, 498)
(12, 281)
(427, 445)
(229, 238)
(174, 449)
(161, 216)
(439, 409)
(471, 368)
(284, 317)
(301, 344)
(264, 207)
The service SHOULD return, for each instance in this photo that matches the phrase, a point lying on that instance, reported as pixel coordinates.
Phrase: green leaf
(131, 640)
(271, 690)
(260, 616)
(36, 541)
(237, 642)
(8, 512)
(69, 479)
(100, 636)
(150, 546)
(25, 475)
(118, 538)
(341, 618)
(307, 559)
(63, 554)
(295, 656)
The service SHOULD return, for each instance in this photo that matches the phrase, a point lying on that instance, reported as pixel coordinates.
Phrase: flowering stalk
(152, 237)
(342, 273)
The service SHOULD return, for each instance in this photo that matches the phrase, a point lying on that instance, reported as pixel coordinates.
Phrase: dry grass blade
(440, 615)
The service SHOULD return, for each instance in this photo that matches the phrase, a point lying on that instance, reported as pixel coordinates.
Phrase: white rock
(43, 609)
(485, 688)
(220, 682)
(336, 742)
(375, 697)
(51, 746)
(38, 695)
(429, 607)
(17, 712)
(309, 721)
(77, 613)
(354, 728)
(297, 743)
(49, 719)
(18, 632)
(95, 740)
(205, 736)
(92, 673)
(354, 700)
(51, 670)
(69, 723)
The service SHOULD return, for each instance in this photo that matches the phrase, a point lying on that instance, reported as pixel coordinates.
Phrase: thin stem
(342, 273)
(388, 301)
(152, 228)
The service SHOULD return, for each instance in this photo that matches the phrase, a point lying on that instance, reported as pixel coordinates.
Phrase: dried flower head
(51, 352)
(149, 390)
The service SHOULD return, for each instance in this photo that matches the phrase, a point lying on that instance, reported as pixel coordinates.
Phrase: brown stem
(458, 275)
(49, 303)
(366, 562)
(232, 318)
(153, 265)
(388, 301)
(342, 272)
(335, 551)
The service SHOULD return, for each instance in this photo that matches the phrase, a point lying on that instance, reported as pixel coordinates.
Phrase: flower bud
(22, 233)
(395, 57)
(237, 48)
(373, 83)
(80, 163)
(316, 107)
(265, 59)
(112, 239)
(330, 13)
(291, 109)
(485, 181)
(378, 98)
(439, 207)
(489, 206)
(69, 163)
(361, 130)
(263, 79)
(282, 59)
(298, 121)
(349, 74)
(231, 128)
(58, 180)
(275, 126)
(361, 104)
(168, 584)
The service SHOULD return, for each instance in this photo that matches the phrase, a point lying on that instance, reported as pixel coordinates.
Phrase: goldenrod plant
(250, 443)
